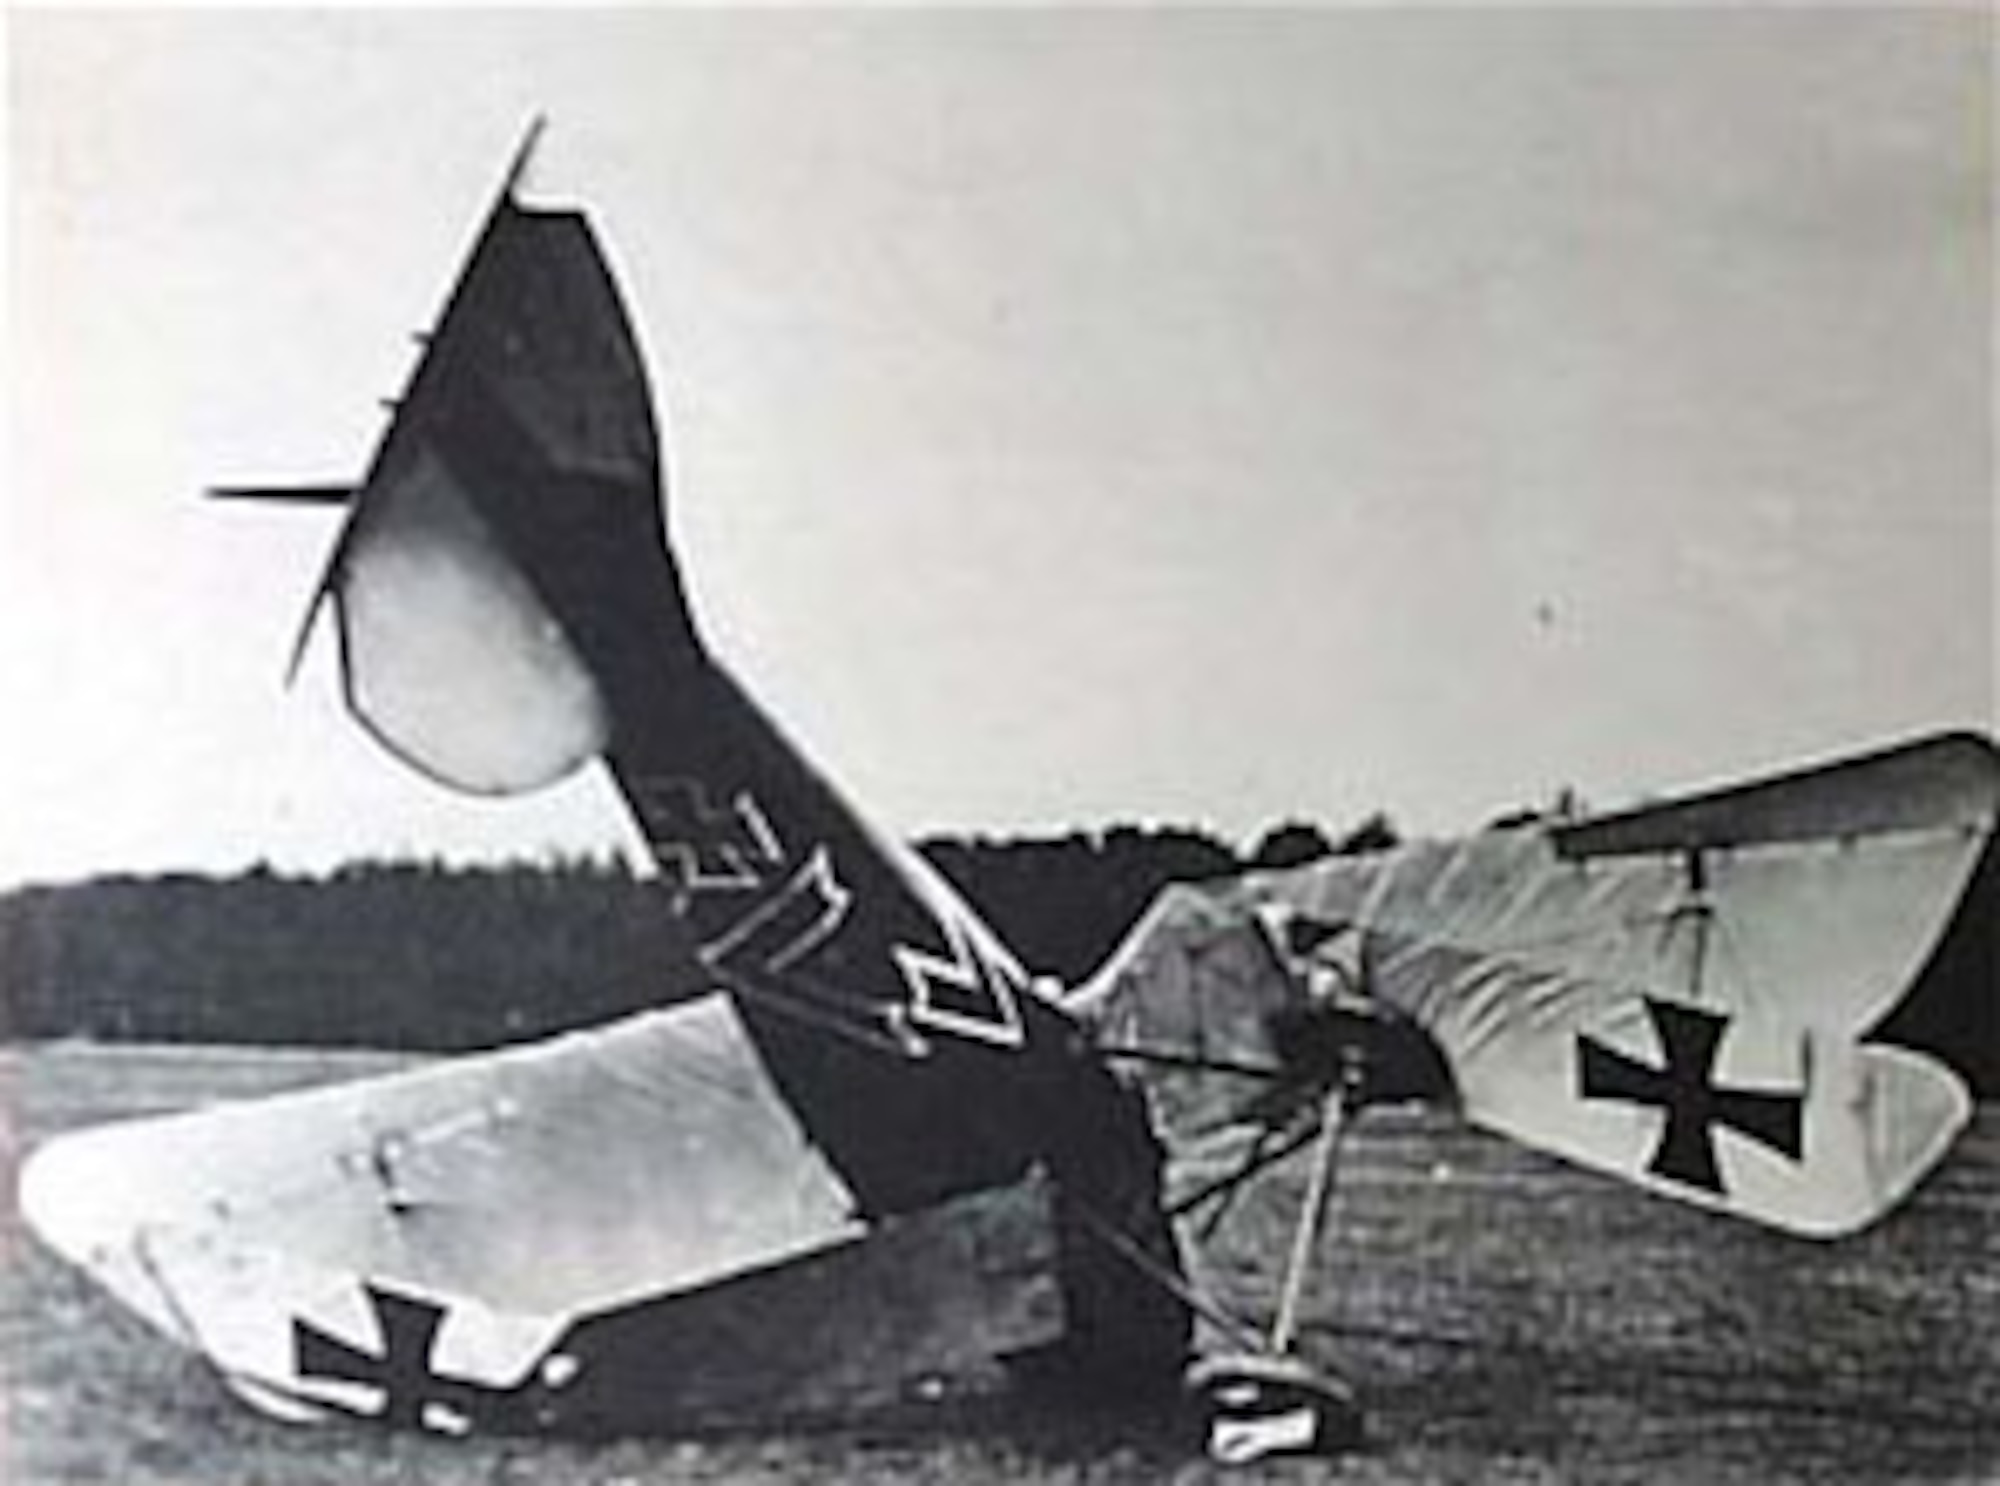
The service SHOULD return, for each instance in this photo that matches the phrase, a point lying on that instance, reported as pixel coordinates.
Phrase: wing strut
(1340, 1101)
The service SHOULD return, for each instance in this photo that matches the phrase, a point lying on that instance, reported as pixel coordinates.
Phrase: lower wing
(459, 1217)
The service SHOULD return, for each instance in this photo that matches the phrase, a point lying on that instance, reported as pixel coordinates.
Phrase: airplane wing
(507, 605)
(515, 1191)
(1690, 996)
(527, 422)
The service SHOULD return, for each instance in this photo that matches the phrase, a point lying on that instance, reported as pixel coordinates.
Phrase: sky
(1206, 416)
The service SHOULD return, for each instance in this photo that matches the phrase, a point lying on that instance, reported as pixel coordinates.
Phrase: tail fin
(507, 607)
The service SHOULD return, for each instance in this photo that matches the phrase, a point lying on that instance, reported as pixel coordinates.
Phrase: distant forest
(422, 956)
(427, 957)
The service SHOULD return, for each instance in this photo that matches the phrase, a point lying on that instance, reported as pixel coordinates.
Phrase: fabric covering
(531, 396)
(1697, 1021)
(523, 1188)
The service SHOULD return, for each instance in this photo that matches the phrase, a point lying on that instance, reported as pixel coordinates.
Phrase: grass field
(1506, 1319)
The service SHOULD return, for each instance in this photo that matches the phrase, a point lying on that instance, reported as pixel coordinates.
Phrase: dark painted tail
(508, 607)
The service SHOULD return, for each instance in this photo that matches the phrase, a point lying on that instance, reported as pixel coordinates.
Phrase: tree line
(424, 956)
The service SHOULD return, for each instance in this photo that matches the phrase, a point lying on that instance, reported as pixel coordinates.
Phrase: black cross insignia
(402, 1372)
(703, 846)
(1685, 1088)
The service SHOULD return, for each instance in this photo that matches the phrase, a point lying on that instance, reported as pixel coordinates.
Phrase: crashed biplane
(871, 1163)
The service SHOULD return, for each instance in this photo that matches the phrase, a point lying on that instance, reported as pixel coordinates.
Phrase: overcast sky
(1071, 417)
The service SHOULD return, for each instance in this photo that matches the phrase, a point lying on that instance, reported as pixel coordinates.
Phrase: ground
(1506, 1318)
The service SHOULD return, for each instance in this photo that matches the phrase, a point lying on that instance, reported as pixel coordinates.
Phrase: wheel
(1258, 1404)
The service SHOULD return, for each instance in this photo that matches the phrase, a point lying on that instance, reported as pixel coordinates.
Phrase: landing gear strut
(1269, 1401)
(1321, 1059)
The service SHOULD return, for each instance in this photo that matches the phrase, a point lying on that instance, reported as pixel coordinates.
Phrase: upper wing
(1685, 995)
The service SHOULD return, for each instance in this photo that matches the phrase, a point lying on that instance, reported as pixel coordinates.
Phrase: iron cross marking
(970, 994)
(704, 847)
(1686, 1090)
(403, 1370)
